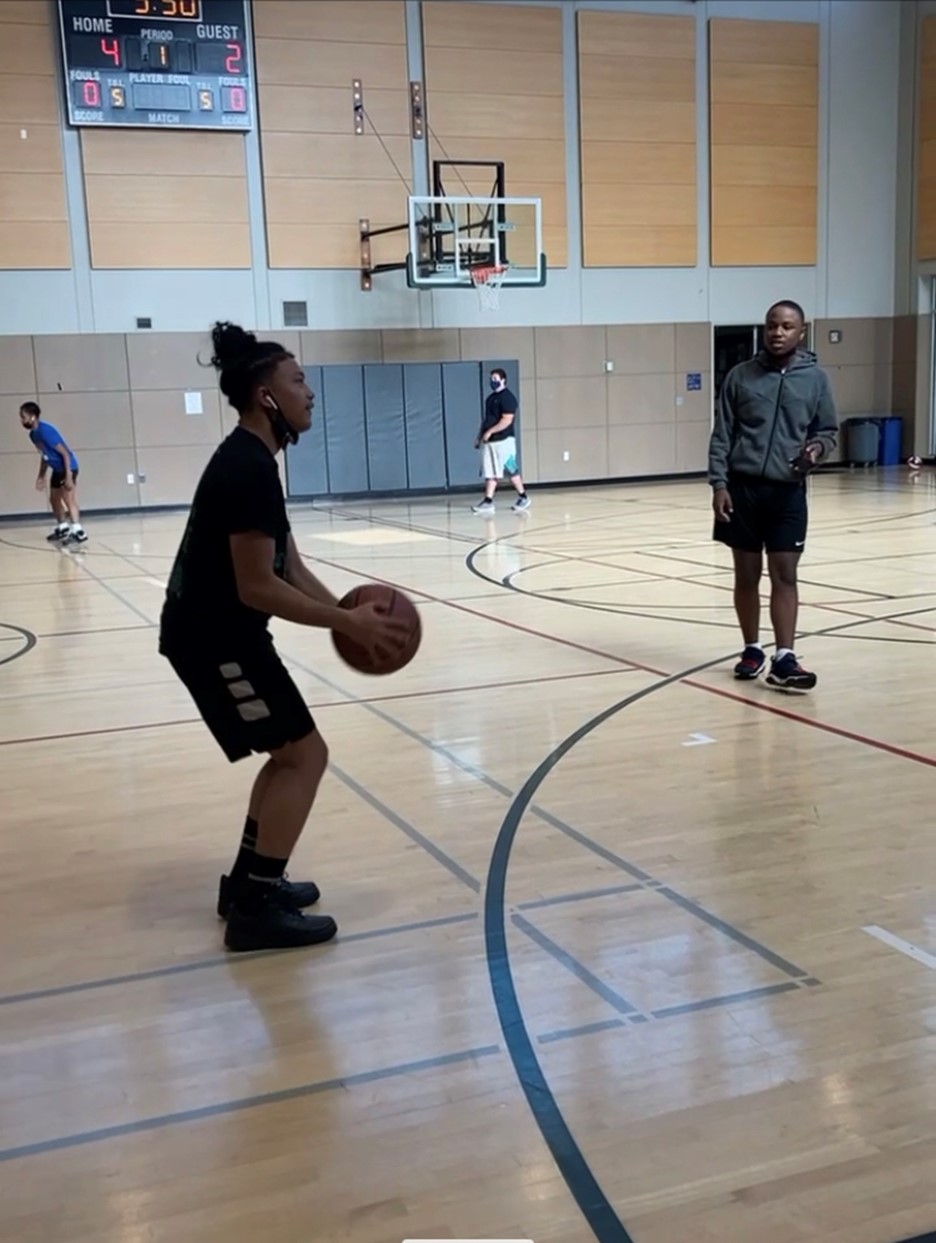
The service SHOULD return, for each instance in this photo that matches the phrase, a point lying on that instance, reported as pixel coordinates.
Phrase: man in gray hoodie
(775, 421)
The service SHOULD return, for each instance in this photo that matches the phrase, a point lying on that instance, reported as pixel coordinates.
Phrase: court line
(30, 642)
(904, 947)
(160, 1121)
(607, 994)
(596, 1208)
(221, 960)
(429, 846)
(586, 1029)
(315, 707)
(731, 999)
(538, 903)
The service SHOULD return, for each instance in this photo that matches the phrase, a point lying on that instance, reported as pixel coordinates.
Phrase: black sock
(264, 873)
(245, 855)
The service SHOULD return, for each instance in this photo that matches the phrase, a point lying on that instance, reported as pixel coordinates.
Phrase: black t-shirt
(239, 491)
(502, 402)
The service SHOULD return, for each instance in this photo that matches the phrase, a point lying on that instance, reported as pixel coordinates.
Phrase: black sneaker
(59, 534)
(76, 537)
(292, 895)
(270, 926)
(787, 674)
(751, 664)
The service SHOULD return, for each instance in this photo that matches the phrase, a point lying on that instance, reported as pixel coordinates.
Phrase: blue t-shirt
(45, 437)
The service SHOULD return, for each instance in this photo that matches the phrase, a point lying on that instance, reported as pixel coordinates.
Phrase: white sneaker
(521, 503)
(483, 507)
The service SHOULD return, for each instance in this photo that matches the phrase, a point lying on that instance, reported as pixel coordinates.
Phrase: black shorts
(58, 478)
(244, 695)
(767, 517)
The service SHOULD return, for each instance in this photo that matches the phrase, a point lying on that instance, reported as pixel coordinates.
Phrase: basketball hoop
(487, 280)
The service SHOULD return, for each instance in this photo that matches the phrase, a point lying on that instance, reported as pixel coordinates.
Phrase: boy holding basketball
(776, 420)
(237, 566)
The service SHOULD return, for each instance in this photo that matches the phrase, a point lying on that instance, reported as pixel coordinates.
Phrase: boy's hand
(40, 484)
(370, 627)
(721, 503)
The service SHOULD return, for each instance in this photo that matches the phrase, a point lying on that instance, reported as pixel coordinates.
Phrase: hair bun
(231, 345)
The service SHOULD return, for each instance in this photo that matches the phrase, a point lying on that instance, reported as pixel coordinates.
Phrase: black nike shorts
(58, 478)
(244, 695)
(767, 517)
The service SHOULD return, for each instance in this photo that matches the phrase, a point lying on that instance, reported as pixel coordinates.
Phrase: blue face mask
(495, 384)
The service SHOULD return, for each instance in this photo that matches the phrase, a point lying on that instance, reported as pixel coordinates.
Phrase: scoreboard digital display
(170, 64)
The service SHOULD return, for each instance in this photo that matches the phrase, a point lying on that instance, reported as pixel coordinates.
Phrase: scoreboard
(170, 64)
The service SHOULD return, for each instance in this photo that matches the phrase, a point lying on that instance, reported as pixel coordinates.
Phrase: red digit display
(91, 93)
(232, 63)
(233, 99)
(111, 48)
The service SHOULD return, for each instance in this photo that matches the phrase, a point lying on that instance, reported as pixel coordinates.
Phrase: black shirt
(502, 402)
(239, 491)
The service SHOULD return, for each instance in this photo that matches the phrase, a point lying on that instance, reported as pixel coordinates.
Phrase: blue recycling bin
(891, 440)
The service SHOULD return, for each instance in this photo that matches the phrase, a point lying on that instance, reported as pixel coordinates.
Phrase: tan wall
(764, 123)
(120, 400)
(33, 211)
(320, 178)
(494, 91)
(637, 113)
(165, 199)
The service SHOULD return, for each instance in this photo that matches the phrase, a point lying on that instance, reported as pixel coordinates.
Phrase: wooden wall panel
(764, 134)
(320, 178)
(494, 91)
(637, 110)
(166, 199)
(33, 206)
(926, 145)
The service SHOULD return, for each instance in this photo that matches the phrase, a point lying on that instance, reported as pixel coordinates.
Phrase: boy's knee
(308, 756)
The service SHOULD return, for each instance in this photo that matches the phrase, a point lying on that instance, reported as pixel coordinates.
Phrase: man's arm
(823, 430)
(722, 437)
(301, 577)
(63, 449)
(43, 467)
(508, 405)
(259, 587)
(503, 422)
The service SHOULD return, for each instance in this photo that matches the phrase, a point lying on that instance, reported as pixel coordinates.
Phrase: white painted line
(698, 740)
(155, 582)
(904, 947)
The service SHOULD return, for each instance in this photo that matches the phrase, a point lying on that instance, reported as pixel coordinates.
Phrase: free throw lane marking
(902, 946)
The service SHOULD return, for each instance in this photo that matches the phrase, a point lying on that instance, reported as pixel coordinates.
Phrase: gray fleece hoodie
(766, 415)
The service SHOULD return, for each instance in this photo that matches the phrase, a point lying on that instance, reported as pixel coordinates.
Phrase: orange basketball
(397, 605)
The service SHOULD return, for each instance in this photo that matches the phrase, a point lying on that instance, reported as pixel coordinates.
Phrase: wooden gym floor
(628, 950)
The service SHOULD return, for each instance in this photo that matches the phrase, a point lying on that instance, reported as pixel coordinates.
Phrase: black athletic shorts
(244, 695)
(58, 478)
(767, 517)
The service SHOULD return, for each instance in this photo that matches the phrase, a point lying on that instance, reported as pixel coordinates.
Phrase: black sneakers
(269, 925)
(787, 674)
(293, 895)
(751, 665)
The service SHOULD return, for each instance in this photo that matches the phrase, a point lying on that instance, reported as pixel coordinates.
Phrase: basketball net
(487, 280)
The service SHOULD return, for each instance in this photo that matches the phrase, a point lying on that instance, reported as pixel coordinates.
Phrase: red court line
(902, 752)
(865, 739)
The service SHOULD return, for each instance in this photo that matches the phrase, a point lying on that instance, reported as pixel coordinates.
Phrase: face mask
(495, 384)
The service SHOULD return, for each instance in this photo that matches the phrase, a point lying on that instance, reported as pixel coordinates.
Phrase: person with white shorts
(497, 441)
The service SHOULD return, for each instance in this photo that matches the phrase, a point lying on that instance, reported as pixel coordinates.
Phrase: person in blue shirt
(55, 453)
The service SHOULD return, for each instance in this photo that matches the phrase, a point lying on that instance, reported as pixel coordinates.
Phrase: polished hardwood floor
(628, 950)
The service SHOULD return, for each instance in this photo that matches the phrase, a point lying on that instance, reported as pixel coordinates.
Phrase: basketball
(395, 604)
(914, 462)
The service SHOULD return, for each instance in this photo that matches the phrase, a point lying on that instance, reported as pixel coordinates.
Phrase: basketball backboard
(449, 235)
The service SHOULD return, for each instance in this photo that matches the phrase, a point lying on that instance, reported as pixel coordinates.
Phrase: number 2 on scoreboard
(232, 63)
